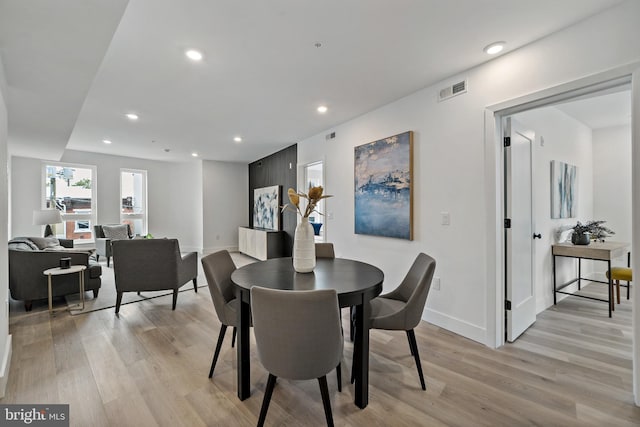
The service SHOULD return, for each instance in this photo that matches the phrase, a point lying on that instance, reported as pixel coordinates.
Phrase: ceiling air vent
(453, 90)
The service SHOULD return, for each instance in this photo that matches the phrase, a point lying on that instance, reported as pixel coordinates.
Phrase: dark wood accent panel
(277, 169)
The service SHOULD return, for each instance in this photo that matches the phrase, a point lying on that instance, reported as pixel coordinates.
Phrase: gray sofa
(30, 256)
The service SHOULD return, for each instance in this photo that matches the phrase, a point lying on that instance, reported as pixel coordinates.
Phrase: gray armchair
(152, 265)
(103, 243)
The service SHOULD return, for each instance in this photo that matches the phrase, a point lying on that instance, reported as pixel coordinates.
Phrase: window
(81, 227)
(71, 190)
(313, 177)
(133, 200)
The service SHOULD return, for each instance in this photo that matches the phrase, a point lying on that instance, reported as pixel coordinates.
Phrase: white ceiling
(74, 68)
(601, 111)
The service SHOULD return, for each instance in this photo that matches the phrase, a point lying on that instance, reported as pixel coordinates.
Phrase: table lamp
(47, 217)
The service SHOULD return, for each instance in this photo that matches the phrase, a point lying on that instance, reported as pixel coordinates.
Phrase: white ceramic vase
(304, 248)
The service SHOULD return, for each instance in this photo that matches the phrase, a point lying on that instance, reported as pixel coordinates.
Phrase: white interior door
(520, 288)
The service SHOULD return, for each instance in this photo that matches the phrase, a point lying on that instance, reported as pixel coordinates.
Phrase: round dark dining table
(355, 282)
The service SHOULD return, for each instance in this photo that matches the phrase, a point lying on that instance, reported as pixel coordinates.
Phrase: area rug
(107, 295)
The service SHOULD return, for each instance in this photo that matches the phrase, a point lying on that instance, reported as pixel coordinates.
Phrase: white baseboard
(210, 250)
(460, 327)
(6, 365)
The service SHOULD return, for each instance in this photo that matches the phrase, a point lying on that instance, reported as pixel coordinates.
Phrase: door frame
(494, 180)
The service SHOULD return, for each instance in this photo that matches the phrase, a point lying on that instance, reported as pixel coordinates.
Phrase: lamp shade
(46, 217)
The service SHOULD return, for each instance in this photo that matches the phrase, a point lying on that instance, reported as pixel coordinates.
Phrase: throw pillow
(116, 232)
(22, 244)
(73, 250)
(45, 242)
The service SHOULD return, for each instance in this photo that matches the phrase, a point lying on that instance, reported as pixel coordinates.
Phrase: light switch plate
(445, 218)
(436, 283)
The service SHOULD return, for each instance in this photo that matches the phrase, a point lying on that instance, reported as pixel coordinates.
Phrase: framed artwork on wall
(564, 190)
(266, 208)
(383, 174)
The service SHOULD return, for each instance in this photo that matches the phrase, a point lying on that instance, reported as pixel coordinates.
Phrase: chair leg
(118, 301)
(353, 362)
(175, 298)
(233, 336)
(223, 330)
(195, 284)
(271, 383)
(618, 290)
(97, 258)
(95, 293)
(352, 324)
(628, 287)
(108, 260)
(339, 376)
(612, 303)
(414, 345)
(324, 391)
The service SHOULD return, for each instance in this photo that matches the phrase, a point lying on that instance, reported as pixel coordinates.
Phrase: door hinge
(507, 305)
(507, 223)
(507, 141)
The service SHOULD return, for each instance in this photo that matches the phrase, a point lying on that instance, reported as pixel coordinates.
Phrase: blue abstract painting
(564, 191)
(383, 187)
(266, 208)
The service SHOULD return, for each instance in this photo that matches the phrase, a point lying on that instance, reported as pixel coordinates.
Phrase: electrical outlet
(436, 283)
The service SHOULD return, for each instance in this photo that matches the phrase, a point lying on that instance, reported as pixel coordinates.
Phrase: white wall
(569, 141)
(612, 180)
(450, 164)
(174, 193)
(225, 203)
(5, 338)
(201, 203)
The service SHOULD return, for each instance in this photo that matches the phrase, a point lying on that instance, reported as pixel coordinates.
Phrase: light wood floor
(149, 367)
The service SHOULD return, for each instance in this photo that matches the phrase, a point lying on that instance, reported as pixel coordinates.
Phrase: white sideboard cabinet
(260, 244)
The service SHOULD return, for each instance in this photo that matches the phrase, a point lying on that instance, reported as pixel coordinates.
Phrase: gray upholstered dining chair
(310, 350)
(325, 250)
(217, 268)
(402, 308)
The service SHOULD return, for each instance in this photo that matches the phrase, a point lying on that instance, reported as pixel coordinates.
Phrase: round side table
(57, 271)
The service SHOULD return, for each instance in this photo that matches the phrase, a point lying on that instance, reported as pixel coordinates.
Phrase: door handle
(537, 236)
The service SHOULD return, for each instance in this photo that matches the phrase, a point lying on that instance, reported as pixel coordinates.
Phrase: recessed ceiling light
(494, 48)
(194, 55)
(106, 141)
(322, 109)
(194, 154)
(132, 116)
(237, 139)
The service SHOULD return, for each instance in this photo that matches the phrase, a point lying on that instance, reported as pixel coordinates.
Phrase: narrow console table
(260, 244)
(598, 251)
